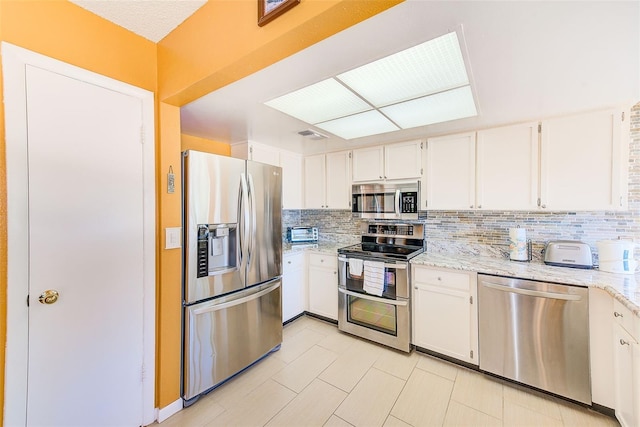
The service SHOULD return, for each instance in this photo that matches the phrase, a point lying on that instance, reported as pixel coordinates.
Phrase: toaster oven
(302, 234)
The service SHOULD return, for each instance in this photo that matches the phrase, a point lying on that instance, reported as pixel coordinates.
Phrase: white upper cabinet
(394, 161)
(368, 164)
(256, 152)
(403, 161)
(264, 154)
(450, 172)
(327, 181)
(507, 168)
(584, 161)
(291, 164)
(314, 181)
(338, 184)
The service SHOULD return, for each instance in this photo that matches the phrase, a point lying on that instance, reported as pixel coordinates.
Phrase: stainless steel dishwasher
(536, 333)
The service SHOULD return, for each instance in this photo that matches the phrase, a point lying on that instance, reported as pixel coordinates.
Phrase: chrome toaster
(568, 253)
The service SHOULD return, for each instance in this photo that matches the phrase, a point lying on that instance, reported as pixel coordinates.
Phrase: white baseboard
(169, 410)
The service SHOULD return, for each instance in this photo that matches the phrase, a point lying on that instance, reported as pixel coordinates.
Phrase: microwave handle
(398, 202)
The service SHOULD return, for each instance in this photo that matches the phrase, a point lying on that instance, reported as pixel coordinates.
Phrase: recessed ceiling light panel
(359, 125)
(430, 67)
(442, 107)
(320, 102)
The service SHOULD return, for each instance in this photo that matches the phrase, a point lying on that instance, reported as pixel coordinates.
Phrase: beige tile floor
(322, 377)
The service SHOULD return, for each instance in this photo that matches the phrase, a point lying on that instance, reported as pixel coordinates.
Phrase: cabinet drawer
(292, 261)
(452, 280)
(323, 260)
(625, 318)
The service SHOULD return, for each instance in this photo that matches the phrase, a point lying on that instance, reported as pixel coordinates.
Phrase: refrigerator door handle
(244, 297)
(243, 212)
(253, 219)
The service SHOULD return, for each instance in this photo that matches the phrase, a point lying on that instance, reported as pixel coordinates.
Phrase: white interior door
(87, 230)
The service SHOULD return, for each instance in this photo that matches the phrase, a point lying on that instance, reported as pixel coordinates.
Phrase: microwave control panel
(409, 202)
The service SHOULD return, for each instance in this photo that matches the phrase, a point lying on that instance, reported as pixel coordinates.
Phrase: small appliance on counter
(302, 234)
(568, 253)
(616, 256)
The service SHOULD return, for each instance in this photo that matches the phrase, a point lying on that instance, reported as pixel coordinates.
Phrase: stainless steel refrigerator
(232, 267)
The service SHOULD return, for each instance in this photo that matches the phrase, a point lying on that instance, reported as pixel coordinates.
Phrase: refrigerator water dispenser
(216, 249)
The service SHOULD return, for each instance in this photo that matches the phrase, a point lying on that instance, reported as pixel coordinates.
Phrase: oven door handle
(402, 266)
(372, 298)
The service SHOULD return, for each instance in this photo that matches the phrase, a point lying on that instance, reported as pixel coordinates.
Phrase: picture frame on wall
(271, 9)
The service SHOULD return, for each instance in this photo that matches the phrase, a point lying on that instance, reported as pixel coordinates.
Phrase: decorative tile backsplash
(486, 232)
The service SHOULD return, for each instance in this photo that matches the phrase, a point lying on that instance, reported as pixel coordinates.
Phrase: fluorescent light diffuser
(320, 102)
(430, 67)
(442, 107)
(419, 86)
(359, 125)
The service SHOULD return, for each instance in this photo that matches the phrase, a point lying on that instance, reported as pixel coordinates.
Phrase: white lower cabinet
(444, 313)
(626, 357)
(294, 294)
(323, 284)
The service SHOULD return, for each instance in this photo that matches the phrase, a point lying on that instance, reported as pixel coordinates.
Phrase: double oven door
(384, 319)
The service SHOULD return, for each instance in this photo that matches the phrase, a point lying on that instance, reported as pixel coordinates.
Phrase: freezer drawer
(535, 333)
(225, 335)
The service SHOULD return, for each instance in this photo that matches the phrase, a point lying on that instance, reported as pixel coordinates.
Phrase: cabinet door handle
(616, 314)
(471, 206)
(288, 262)
(623, 342)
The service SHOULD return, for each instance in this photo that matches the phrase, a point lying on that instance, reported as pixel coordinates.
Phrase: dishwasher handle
(528, 292)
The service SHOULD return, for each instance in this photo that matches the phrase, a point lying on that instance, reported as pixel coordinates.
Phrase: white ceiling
(527, 61)
(151, 19)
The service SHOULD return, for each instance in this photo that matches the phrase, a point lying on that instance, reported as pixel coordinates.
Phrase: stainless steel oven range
(373, 283)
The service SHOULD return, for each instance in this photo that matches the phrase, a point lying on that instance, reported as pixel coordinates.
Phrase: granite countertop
(321, 246)
(623, 287)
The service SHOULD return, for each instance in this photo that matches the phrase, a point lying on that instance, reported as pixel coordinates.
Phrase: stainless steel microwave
(386, 200)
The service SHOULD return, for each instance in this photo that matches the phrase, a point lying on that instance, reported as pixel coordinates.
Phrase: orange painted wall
(207, 145)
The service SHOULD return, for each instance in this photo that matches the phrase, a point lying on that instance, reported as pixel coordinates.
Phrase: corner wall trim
(169, 410)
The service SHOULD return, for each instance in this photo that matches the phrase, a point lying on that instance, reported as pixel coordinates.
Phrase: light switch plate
(172, 238)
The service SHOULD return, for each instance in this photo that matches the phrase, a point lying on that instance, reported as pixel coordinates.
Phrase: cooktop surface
(382, 250)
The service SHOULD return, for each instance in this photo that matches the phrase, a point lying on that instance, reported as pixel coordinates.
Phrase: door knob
(48, 297)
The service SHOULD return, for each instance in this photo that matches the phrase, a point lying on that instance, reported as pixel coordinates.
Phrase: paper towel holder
(529, 253)
(516, 251)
